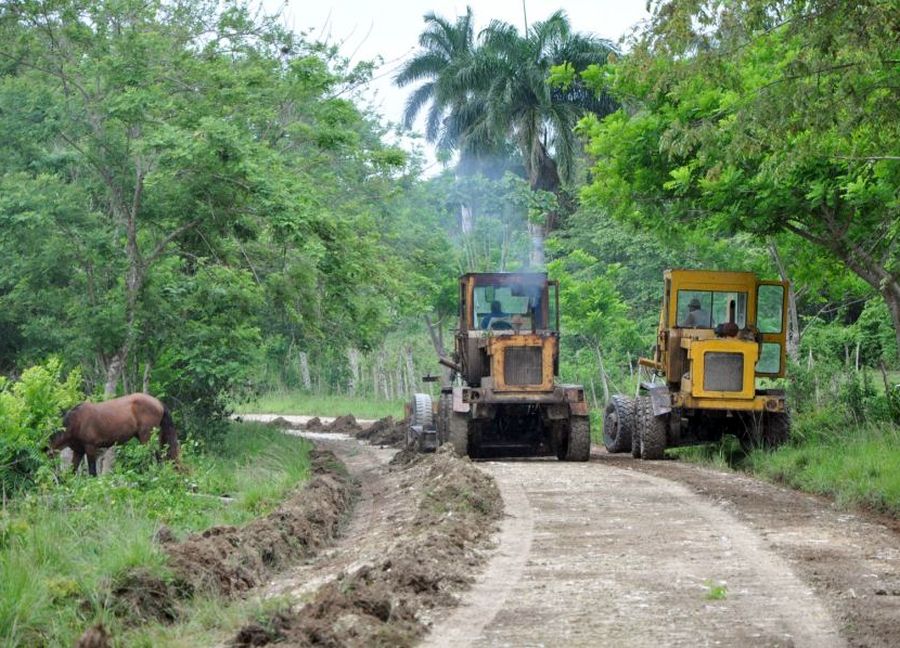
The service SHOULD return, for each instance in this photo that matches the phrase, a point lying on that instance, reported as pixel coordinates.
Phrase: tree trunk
(413, 380)
(603, 380)
(793, 332)
(304, 371)
(872, 270)
(537, 234)
(434, 330)
(145, 386)
(466, 219)
(892, 297)
(353, 361)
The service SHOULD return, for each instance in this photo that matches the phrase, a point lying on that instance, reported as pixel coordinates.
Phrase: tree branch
(171, 236)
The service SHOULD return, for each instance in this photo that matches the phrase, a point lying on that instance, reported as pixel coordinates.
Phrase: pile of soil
(314, 425)
(432, 558)
(281, 423)
(345, 424)
(385, 432)
(228, 560)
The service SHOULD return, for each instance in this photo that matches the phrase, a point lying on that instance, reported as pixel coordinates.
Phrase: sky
(368, 29)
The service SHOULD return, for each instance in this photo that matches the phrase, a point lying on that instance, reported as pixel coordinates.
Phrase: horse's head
(56, 442)
(61, 438)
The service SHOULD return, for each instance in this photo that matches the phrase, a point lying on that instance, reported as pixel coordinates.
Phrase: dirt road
(619, 552)
(668, 554)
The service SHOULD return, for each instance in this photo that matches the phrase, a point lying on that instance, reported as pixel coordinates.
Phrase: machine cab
(509, 330)
(719, 330)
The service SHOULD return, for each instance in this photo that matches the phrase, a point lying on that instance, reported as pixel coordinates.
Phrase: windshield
(507, 307)
(709, 308)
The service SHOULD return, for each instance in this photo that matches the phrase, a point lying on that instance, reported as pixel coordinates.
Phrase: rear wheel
(653, 431)
(618, 424)
(422, 413)
(579, 446)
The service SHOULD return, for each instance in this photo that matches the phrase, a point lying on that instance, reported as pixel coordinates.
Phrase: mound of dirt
(314, 425)
(228, 560)
(281, 423)
(378, 604)
(345, 424)
(385, 432)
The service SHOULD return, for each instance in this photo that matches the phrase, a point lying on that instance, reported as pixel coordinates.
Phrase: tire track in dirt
(850, 559)
(623, 558)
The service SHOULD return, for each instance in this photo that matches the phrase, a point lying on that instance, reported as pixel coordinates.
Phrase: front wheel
(653, 431)
(618, 424)
(579, 446)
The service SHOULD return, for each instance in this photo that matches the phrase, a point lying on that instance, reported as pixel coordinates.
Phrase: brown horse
(89, 427)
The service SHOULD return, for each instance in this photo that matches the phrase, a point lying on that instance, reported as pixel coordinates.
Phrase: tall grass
(858, 466)
(60, 549)
(296, 402)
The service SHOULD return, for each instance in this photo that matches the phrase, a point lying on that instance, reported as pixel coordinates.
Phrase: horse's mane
(68, 415)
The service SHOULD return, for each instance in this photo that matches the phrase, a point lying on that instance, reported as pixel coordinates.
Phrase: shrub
(30, 411)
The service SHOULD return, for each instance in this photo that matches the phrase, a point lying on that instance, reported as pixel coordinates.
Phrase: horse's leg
(77, 456)
(91, 452)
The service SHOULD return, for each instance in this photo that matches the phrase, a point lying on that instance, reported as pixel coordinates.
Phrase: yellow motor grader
(504, 399)
(719, 332)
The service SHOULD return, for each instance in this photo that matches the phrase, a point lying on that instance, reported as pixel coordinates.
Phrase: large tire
(458, 432)
(636, 428)
(653, 431)
(422, 412)
(776, 429)
(579, 446)
(618, 424)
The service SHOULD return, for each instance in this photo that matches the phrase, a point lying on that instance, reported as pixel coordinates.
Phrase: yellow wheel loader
(504, 399)
(719, 333)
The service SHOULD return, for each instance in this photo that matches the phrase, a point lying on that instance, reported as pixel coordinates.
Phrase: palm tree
(518, 101)
(441, 65)
(488, 93)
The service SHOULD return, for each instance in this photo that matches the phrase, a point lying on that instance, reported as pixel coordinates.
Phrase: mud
(433, 554)
(385, 432)
(229, 561)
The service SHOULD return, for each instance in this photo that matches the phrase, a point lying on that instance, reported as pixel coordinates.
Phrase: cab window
(506, 307)
(709, 308)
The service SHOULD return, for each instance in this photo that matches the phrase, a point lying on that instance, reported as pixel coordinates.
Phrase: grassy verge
(62, 547)
(295, 402)
(858, 465)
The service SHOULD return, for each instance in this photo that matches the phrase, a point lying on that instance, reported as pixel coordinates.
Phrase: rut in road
(620, 558)
(371, 529)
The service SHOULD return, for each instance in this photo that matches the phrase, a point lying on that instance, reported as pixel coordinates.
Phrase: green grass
(295, 402)
(61, 547)
(860, 467)
(856, 465)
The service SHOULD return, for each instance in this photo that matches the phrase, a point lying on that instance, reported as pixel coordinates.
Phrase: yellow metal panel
(697, 349)
(496, 346)
(755, 404)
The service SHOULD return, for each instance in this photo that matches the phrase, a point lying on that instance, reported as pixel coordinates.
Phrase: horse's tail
(168, 434)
